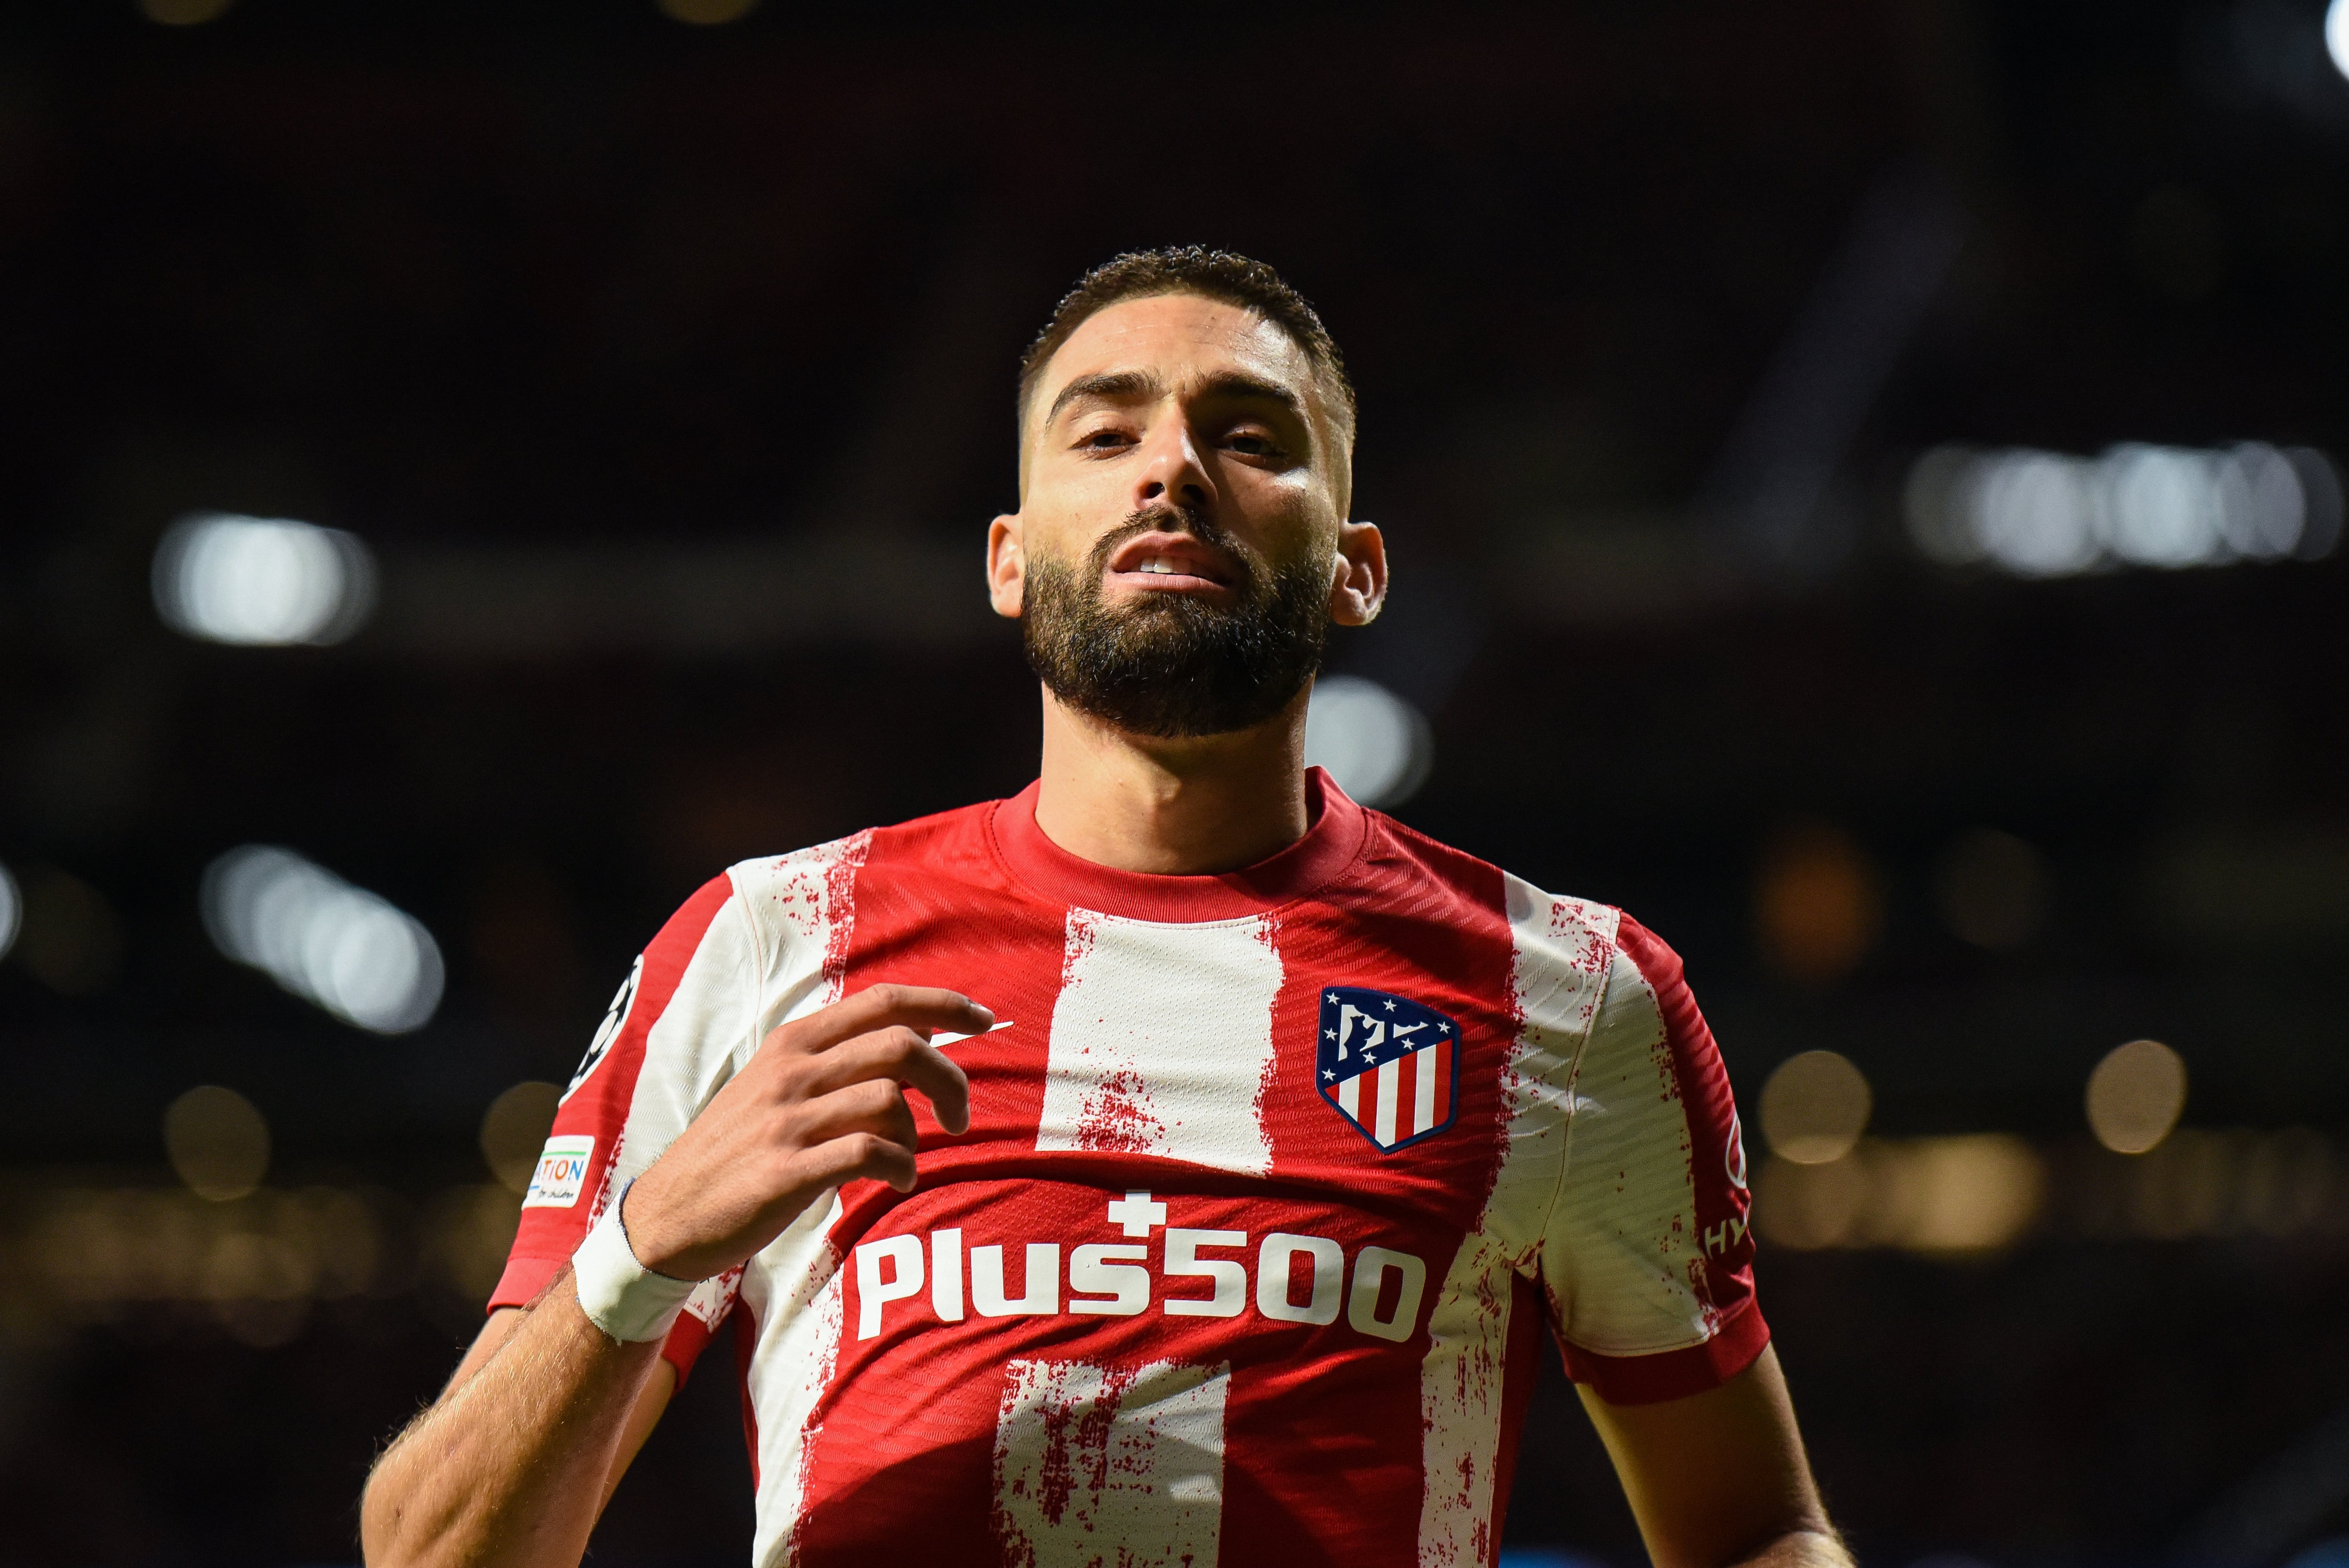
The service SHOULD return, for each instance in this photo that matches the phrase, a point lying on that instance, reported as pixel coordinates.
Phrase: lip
(1198, 566)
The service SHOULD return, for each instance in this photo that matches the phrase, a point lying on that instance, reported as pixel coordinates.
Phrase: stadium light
(2337, 35)
(2045, 514)
(339, 946)
(1374, 744)
(262, 582)
(12, 911)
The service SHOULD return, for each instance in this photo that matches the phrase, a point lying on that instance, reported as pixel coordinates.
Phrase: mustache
(1172, 519)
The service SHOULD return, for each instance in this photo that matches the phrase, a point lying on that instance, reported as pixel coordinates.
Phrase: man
(1177, 1163)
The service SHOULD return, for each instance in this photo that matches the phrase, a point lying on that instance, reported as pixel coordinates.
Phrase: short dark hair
(1222, 275)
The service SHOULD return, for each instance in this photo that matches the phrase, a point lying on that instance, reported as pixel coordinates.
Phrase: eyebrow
(1108, 386)
(1112, 385)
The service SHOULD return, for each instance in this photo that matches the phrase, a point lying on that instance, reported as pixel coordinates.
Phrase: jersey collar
(1334, 837)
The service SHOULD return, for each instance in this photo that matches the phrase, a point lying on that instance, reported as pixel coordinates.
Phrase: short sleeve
(683, 1020)
(1648, 1257)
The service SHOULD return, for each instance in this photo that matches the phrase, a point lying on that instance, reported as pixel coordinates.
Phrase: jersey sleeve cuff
(524, 1279)
(1672, 1374)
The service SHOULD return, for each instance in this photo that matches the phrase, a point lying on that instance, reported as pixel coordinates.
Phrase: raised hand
(820, 1103)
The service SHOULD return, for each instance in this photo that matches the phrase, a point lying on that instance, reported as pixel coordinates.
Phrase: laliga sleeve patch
(561, 1172)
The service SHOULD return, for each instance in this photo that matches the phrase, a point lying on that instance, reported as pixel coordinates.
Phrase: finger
(924, 1008)
(901, 1055)
(855, 1155)
(876, 1105)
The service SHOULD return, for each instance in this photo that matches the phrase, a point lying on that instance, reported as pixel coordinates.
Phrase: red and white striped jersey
(1272, 1182)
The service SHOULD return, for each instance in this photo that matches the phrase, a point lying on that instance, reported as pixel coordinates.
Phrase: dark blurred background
(1862, 481)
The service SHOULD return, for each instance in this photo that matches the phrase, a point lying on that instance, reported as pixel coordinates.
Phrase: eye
(1103, 440)
(1252, 444)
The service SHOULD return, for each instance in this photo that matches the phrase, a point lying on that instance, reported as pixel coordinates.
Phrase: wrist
(617, 1292)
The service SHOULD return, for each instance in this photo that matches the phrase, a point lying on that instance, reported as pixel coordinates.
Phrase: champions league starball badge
(1390, 1066)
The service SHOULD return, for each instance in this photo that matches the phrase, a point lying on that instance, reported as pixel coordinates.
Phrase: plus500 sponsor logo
(1299, 1279)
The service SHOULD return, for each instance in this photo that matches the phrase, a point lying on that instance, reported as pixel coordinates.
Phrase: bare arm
(1720, 1478)
(514, 1461)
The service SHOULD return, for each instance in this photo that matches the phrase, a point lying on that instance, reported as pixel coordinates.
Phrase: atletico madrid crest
(1390, 1065)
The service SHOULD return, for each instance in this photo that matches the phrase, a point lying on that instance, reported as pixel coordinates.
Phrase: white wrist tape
(619, 1295)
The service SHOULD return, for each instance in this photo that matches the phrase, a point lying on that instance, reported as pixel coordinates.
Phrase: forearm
(510, 1465)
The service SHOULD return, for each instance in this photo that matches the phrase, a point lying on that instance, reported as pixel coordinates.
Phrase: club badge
(1390, 1066)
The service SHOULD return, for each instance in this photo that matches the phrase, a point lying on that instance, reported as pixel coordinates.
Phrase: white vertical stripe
(1350, 1097)
(1387, 1074)
(1422, 1110)
(1095, 1464)
(796, 1294)
(801, 906)
(1624, 1245)
(1559, 975)
(1162, 1041)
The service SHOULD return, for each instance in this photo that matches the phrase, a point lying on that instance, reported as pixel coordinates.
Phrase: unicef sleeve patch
(561, 1172)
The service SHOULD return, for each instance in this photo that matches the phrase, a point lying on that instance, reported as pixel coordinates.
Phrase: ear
(1358, 589)
(1007, 566)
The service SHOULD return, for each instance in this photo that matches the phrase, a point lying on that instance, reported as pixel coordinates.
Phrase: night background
(1718, 365)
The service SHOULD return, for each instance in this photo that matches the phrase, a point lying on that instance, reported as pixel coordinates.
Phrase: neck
(1194, 806)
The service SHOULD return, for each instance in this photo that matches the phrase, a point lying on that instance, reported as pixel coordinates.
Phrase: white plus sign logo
(1136, 1213)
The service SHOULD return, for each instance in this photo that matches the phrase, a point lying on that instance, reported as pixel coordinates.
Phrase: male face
(1179, 550)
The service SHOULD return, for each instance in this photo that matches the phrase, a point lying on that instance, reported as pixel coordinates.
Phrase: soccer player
(1177, 1163)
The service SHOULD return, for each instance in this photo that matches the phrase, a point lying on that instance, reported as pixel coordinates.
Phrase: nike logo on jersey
(949, 1038)
(1389, 1066)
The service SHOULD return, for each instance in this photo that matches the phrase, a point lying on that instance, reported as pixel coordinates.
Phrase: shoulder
(805, 896)
(1549, 931)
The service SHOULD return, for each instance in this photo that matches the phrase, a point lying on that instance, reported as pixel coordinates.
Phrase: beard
(1170, 664)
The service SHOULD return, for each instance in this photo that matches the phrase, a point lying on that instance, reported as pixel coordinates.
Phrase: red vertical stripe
(1443, 1064)
(545, 1238)
(1407, 1097)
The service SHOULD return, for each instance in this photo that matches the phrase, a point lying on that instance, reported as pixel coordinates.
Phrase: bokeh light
(12, 911)
(2044, 514)
(217, 1141)
(1816, 908)
(2136, 1096)
(1991, 889)
(69, 938)
(1374, 744)
(706, 13)
(262, 582)
(514, 1130)
(2337, 35)
(339, 946)
(182, 12)
(1974, 1194)
(1815, 1106)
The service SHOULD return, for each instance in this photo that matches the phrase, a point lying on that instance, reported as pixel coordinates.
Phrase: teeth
(1159, 564)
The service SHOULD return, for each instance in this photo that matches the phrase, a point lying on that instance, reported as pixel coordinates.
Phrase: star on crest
(1442, 1028)
(1327, 1073)
(1331, 998)
(1390, 1003)
(1328, 1034)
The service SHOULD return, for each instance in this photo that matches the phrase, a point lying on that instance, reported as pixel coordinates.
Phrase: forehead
(1180, 337)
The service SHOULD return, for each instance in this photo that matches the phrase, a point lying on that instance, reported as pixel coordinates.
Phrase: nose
(1171, 472)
